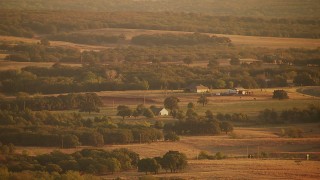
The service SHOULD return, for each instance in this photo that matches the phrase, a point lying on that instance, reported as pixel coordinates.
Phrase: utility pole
(140, 137)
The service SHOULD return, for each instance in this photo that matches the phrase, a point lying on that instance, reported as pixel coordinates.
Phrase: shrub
(280, 94)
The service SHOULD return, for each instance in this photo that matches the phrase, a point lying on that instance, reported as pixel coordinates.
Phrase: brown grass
(81, 47)
(12, 65)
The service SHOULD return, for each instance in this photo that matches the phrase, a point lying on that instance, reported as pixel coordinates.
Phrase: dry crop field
(237, 166)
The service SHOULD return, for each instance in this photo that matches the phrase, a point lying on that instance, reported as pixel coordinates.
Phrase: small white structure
(164, 112)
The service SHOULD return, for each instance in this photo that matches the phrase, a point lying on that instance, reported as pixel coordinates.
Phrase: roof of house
(158, 110)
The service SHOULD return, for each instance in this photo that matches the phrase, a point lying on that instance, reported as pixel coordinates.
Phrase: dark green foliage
(87, 160)
(124, 111)
(269, 115)
(280, 94)
(159, 124)
(51, 22)
(294, 115)
(305, 79)
(226, 127)
(90, 103)
(171, 103)
(203, 99)
(171, 136)
(184, 39)
(70, 141)
(148, 113)
(148, 165)
(63, 79)
(195, 126)
(174, 161)
(61, 102)
(206, 155)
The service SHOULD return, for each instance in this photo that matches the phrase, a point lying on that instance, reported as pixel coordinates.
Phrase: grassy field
(81, 47)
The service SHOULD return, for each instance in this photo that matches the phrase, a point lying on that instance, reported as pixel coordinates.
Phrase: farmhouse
(164, 112)
(197, 88)
(160, 111)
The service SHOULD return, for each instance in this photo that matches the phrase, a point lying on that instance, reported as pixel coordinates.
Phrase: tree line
(161, 53)
(45, 128)
(88, 102)
(29, 23)
(179, 40)
(88, 161)
(22, 52)
(154, 76)
(294, 115)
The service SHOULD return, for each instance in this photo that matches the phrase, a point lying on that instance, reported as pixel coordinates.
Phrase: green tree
(226, 127)
(90, 103)
(124, 111)
(171, 136)
(209, 115)
(174, 160)
(159, 124)
(148, 113)
(171, 103)
(113, 165)
(280, 94)
(70, 141)
(148, 165)
(203, 100)
(72, 175)
(53, 168)
(304, 79)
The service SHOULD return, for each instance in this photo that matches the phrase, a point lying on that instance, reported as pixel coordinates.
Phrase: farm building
(164, 112)
(197, 88)
(237, 91)
(160, 111)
